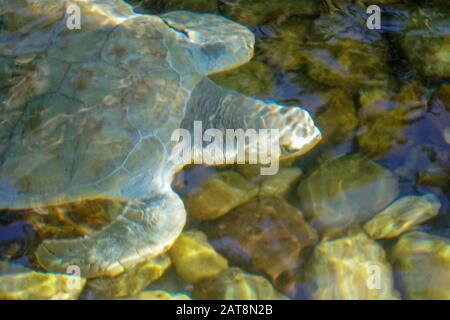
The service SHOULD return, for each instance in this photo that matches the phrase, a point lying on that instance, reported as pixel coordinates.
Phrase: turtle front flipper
(144, 229)
(222, 109)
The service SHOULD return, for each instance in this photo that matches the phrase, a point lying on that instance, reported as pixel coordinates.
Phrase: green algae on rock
(423, 264)
(132, 281)
(353, 267)
(344, 53)
(194, 258)
(385, 112)
(346, 190)
(286, 49)
(378, 97)
(256, 12)
(426, 43)
(377, 137)
(20, 283)
(235, 284)
(402, 215)
(270, 234)
(337, 118)
(220, 193)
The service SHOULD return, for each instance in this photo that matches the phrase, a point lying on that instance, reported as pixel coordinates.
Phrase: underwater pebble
(345, 191)
(20, 283)
(403, 215)
(337, 119)
(270, 234)
(132, 281)
(280, 184)
(255, 12)
(423, 264)
(426, 42)
(220, 193)
(194, 258)
(235, 284)
(350, 268)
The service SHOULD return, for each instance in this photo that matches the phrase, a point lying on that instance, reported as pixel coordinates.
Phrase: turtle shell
(86, 113)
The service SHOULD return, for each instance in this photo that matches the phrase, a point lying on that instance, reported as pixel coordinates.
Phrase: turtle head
(213, 43)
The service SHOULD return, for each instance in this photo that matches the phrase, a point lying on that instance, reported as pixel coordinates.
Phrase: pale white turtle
(88, 114)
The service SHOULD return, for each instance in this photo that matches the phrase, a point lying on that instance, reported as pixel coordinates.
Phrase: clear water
(308, 53)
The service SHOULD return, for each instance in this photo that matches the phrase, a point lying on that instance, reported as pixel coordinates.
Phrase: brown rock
(270, 234)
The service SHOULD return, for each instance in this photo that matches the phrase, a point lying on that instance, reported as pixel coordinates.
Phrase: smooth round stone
(132, 281)
(20, 283)
(235, 284)
(423, 264)
(345, 191)
(194, 257)
(349, 268)
(402, 215)
(268, 235)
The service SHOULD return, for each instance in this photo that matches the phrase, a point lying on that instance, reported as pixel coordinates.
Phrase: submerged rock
(269, 234)
(344, 53)
(280, 184)
(132, 281)
(346, 190)
(423, 264)
(234, 284)
(402, 215)
(378, 97)
(354, 268)
(256, 12)
(377, 137)
(194, 258)
(20, 283)
(286, 48)
(337, 119)
(385, 113)
(220, 193)
(426, 42)
(422, 34)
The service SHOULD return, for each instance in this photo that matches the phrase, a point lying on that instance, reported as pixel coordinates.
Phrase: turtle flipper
(226, 109)
(144, 229)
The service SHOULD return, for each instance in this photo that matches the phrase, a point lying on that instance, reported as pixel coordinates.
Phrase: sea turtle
(88, 114)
